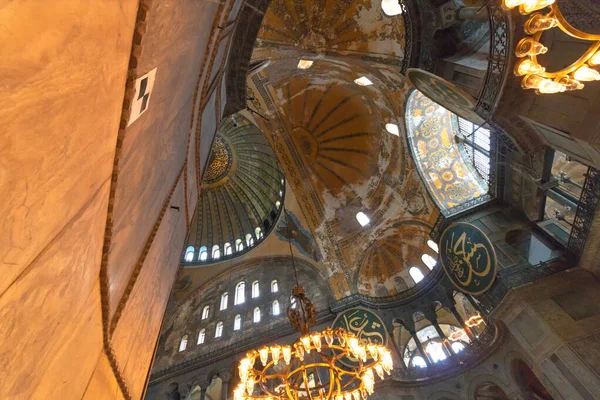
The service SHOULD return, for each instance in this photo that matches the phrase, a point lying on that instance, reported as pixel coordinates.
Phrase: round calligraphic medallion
(445, 93)
(365, 324)
(468, 258)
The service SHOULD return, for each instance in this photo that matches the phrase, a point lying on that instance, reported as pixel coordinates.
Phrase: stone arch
(484, 379)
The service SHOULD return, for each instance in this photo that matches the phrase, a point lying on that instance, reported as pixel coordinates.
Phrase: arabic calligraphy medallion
(468, 258)
(365, 324)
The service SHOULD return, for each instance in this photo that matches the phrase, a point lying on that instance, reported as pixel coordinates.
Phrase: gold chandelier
(327, 365)
(534, 75)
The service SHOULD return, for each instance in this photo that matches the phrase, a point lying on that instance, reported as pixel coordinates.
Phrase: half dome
(240, 197)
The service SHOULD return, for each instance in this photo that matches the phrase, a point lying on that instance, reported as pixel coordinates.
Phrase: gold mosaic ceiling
(348, 27)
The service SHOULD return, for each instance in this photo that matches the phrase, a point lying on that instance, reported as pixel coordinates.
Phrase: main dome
(240, 197)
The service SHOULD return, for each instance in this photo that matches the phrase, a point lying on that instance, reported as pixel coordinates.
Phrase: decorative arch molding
(479, 380)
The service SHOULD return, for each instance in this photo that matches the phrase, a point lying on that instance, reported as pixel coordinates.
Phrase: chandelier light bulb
(299, 350)
(354, 346)
(529, 47)
(316, 339)
(339, 397)
(275, 352)
(363, 393)
(379, 370)
(250, 386)
(587, 74)
(570, 84)
(287, 354)
(373, 351)
(306, 343)
(363, 353)
(539, 22)
(595, 60)
(529, 6)
(528, 67)
(356, 395)
(305, 64)
(238, 393)
(329, 336)
(341, 338)
(347, 396)
(264, 355)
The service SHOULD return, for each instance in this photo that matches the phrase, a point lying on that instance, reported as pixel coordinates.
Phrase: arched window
(201, 336)
(216, 252)
(274, 286)
(458, 347)
(249, 240)
(258, 232)
(419, 362)
(205, 311)
(237, 323)
(293, 302)
(278, 204)
(203, 254)
(391, 7)
(224, 301)
(240, 296)
(219, 330)
(275, 307)
(255, 289)
(416, 274)
(256, 317)
(435, 351)
(433, 246)
(183, 343)
(189, 254)
(428, 260)
(239, 245)
(227, 249)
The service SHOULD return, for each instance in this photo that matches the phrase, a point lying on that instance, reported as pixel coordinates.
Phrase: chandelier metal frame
(283, 372)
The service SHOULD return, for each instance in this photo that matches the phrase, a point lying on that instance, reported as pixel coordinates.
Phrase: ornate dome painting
(449, 179)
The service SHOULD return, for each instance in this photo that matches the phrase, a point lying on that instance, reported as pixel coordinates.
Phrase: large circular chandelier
(332, 364)
(327, 365)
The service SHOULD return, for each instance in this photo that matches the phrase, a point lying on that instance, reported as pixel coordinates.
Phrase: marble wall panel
(137, 332)
(62, 94)
(51, 329)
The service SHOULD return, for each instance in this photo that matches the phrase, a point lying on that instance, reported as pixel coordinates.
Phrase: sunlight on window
(433, 246)
(274, 286)
(363, 81)
(237, 323)
(391, 7)
(203, 253)
(255, 289)
(362, 218)
(189, 254)
(305, 64)
(240, 296)
(239, 245)
(205, 311)
(416, 274)
(219, 330)
(227, 249)
(183, 343)
(224, 298)
(419, 362)
(201, 336)
(435, 351)
(256, 317)
(428, 260)
(393, 129)
(275, 307)
(458, 347)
